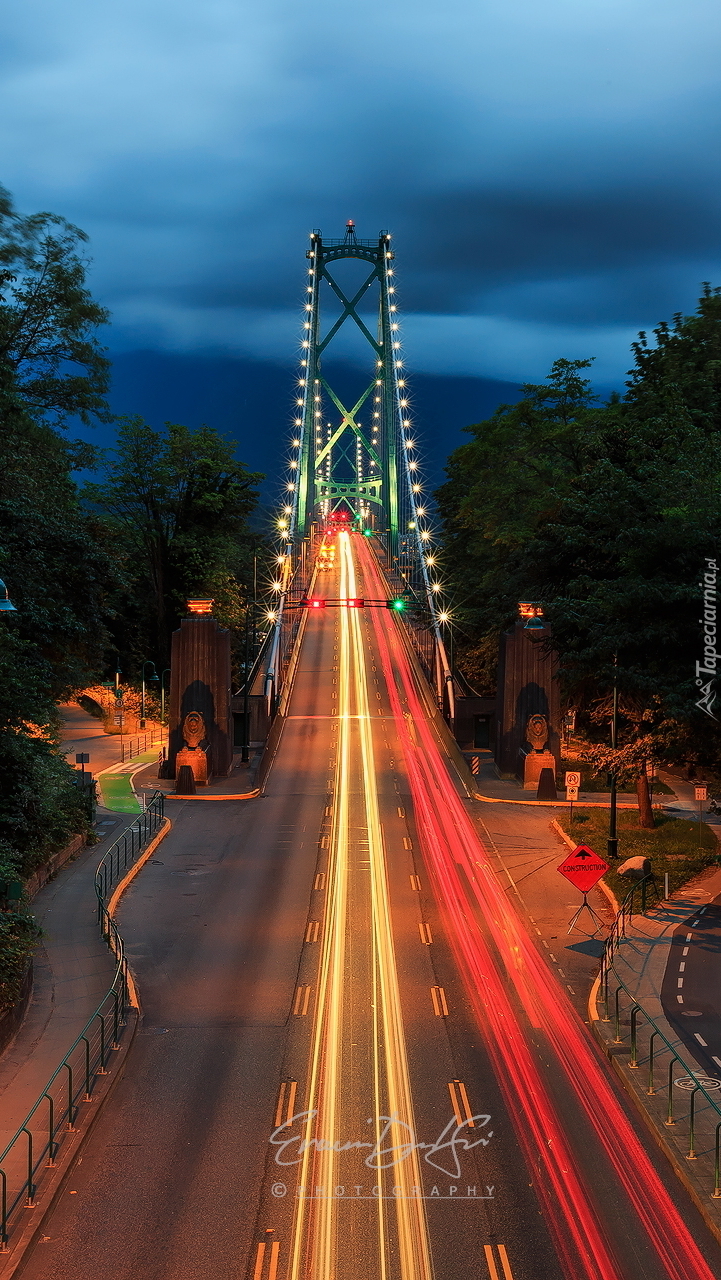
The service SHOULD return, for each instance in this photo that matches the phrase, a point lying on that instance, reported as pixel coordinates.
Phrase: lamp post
(165, 672)
(612, 837)
(153, 680)
(245, 750)
(6, 604)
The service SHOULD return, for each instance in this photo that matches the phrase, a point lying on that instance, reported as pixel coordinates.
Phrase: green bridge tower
(349, 465)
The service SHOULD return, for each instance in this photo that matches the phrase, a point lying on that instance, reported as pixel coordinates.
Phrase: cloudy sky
(550, 171)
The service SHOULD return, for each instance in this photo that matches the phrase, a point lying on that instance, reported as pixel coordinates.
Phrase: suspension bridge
(363, 469)
(354, 1062)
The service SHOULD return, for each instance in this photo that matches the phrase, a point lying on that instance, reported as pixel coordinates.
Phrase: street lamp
(165, 672)
(612, 837)
(153, 680)
(6, 604)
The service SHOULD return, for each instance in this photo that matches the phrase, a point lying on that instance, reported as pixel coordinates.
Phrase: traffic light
(398, 605)
(356, 602)
(313, 604)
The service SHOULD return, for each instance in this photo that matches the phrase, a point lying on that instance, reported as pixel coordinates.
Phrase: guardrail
(651, 1051)
(53, 1118)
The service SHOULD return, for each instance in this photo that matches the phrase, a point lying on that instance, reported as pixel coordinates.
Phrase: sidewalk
(659, 1084)
(72, 971)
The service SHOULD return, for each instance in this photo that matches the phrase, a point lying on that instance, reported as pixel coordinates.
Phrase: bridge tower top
(366, 466)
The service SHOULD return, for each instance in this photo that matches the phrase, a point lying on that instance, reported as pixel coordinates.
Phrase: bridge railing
(296, 584)
(421, 632)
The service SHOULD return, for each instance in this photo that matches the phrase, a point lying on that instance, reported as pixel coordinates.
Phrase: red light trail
(451, 844)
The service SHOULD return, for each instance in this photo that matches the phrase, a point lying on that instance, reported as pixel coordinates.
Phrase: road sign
(82, 757)
(583, 868)
(701, 793)
(573, 779)
(572, 792)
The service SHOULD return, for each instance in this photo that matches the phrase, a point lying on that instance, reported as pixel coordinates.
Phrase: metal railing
(35, 1146)
(136, 745)
(652, 1052)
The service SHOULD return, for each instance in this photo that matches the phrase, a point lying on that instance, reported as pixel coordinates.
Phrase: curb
(246, 795)
(74, 1146)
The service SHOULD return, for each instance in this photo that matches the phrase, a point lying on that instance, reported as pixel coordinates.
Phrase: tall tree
(179, 503)
(49, 319)
(503, 484)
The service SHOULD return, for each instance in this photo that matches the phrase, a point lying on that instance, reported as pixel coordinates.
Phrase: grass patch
(589, 783)
(672, 846)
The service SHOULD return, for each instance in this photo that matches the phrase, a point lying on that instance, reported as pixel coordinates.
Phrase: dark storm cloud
(550, 172)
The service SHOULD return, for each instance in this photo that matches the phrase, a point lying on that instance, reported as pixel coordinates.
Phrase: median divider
(37, 1159)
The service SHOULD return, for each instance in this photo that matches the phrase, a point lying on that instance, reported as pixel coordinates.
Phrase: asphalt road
(691, 990)
(334, 948)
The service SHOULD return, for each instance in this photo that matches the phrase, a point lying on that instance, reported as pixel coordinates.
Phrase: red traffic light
(313, 604)
(356, 602)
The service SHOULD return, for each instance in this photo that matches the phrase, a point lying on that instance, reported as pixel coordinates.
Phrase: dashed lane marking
(286, 1103)
(440, 1004)
(459, 1101)
(302, 997)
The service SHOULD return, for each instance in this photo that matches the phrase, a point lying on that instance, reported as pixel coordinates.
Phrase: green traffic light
(398, 605)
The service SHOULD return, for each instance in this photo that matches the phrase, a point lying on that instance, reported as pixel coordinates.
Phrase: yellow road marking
(425, 932)
(508, 1274)
(311, 933)
(302, 997)
(286, 1102)
(440, 1007)
(460, 1103)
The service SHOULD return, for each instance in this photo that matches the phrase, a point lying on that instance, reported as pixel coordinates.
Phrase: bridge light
(297, 422)
(280, 560)
(287, 510)
(444, 617)
(290, 486)
(305, 344)
(401, 382)
(296, 444)
(398, 605)
(435, 586)
(277, 586)
(412, 466)
(420, 511)
(430, 561)
(299, 401)
(293, 465)
(425, 535)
